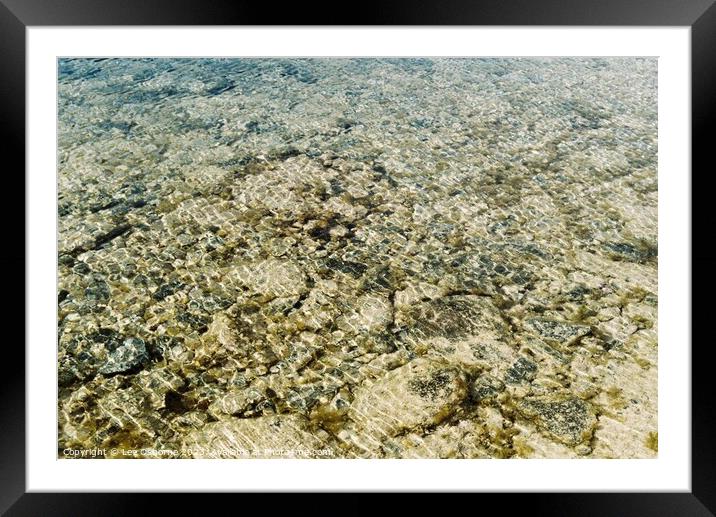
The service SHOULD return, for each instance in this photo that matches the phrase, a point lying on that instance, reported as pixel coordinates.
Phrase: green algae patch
(652, 441)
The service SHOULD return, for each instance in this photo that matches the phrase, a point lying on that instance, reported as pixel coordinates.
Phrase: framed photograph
(444, 248)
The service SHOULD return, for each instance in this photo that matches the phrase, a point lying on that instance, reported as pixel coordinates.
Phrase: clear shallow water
(377, 255)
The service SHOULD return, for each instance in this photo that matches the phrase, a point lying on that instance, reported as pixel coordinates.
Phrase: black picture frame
(700, 15)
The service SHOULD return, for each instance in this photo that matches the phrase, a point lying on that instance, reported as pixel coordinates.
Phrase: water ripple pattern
(357, 258)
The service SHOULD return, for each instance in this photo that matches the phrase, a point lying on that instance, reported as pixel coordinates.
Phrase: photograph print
(357, 258)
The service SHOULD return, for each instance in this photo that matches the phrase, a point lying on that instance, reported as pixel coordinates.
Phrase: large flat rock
(419, 394)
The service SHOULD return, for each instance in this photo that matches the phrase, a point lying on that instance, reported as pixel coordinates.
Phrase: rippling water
(358, 257)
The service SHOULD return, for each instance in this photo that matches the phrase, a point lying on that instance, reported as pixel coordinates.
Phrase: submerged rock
(131, 354)
(453, 317)
(486, 387)
(569, 420)
(522, 370)
(420, 394)
(560, 332)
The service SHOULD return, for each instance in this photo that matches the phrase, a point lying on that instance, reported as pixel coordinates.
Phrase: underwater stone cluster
(380, 258)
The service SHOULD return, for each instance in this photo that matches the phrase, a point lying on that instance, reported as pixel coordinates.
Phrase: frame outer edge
(12, 97)
(12, 135)
(703, 109)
